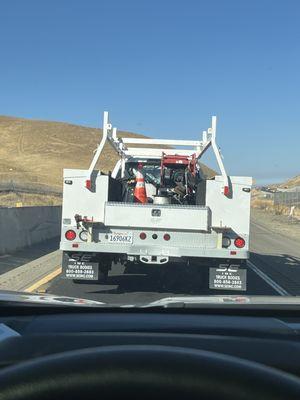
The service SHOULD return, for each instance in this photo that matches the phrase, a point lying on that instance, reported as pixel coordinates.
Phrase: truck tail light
(143, 235)
(239, 242)
(88, 184)
(226, 190)
(70, 234)
(167, 236)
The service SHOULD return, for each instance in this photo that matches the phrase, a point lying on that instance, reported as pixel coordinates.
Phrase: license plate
(87, 271)
(120, 237)
(228, 278)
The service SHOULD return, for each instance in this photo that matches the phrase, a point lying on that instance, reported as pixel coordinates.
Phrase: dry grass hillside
(292, 182)
(265, 201)
(34, 153)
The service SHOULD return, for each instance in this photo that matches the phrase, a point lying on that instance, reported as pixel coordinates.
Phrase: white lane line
(267, 279)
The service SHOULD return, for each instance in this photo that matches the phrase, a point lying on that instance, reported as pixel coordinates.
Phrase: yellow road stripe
(44, 280)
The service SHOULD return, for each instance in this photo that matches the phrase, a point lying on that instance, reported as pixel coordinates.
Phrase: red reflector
(70, 235)
(239, 242)
(167, 236)
(233, 253)
(88, 184)
(226, 190)
(143, 235)
(75, 245)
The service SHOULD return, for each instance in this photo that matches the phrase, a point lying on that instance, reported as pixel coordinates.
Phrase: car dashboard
(270, 340)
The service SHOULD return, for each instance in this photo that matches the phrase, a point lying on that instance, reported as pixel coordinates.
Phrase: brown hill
(33, 154)
(290, 183)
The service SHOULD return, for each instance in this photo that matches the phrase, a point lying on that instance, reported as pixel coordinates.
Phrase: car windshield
(150, 152)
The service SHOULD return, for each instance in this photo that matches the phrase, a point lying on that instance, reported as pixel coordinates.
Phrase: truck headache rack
(191, 148)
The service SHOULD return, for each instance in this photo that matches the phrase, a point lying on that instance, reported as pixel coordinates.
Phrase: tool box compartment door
(151, 216)
(90, 203)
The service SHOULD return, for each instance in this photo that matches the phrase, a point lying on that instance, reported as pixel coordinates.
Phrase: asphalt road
(276, 256)
(274, 269)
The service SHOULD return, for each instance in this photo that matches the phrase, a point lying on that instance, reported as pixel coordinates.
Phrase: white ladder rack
(188, 147)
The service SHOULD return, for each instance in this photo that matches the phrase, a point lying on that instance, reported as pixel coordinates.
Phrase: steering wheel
(146, 372)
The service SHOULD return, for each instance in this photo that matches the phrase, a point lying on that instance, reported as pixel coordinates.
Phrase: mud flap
(228, 277)
(79, 268)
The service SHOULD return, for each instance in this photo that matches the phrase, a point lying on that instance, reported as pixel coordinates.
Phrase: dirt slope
(34, 153)
(292, 182)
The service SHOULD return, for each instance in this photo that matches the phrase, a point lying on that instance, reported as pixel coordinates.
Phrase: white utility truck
(187, 217)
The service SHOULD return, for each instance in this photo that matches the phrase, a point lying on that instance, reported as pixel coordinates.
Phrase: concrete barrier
(24, 226)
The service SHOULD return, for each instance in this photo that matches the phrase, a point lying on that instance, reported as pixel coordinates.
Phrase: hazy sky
(162, 68)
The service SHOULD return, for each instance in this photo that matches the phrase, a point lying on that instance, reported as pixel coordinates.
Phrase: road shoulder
(279, 224)
(23, 277)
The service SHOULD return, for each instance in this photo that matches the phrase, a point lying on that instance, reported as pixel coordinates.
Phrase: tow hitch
(154, 259)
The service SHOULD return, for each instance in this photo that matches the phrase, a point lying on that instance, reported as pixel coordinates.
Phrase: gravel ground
(277, 223)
